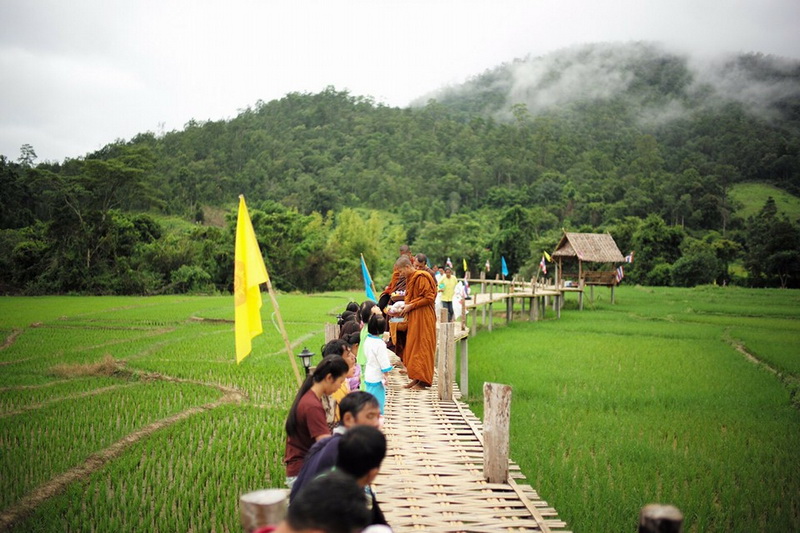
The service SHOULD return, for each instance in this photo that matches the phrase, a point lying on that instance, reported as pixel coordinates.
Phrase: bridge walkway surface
(432, 478)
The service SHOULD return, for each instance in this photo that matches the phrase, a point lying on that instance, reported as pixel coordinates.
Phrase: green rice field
(647, 401)
(617, 406)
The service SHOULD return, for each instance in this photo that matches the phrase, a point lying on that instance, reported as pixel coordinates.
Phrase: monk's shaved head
(402, 262)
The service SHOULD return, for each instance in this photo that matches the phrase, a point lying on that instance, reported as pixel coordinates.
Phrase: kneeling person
(361, 452)
(357, 408)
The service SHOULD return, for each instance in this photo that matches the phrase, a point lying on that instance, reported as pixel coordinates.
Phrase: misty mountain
(659, 83)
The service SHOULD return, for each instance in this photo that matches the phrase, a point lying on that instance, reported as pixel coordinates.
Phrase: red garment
(311, 423)
(421, 335)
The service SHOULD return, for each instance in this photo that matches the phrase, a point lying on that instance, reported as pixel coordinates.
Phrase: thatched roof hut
(580, 248)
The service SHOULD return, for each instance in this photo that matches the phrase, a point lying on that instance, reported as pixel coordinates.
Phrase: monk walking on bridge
(421, 316)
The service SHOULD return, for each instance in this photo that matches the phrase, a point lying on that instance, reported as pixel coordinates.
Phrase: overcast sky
(79, 74)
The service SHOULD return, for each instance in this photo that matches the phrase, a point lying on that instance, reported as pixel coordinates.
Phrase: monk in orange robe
(421, 316)
(397, 341)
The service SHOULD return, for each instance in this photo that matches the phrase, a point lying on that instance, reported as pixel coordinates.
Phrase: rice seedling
(646, 402)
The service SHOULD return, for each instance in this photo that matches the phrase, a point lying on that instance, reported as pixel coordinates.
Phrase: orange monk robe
(392, 283)
(421, 335)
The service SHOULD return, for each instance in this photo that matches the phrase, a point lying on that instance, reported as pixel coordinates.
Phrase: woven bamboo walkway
(432, 477)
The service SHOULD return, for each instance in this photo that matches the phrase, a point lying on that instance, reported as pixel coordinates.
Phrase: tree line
(329, 176)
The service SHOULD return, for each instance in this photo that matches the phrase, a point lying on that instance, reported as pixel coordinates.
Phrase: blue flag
(367, 281)
(504, 266)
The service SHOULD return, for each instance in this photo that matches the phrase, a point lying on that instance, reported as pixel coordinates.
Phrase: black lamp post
(305, 356)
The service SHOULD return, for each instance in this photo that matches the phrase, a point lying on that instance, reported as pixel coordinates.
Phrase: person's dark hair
(333, 503)
(366, 310)
(376, 325)
(422, 258)
(353, 338)
(346, 317)
(354, 402)
(333, 365)
(352, 306)
(334, 347)
(361, 449)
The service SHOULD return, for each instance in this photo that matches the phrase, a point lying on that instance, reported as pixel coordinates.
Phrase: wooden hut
(587, 259)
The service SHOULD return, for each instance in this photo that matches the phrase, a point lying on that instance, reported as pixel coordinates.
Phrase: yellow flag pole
(283, 332)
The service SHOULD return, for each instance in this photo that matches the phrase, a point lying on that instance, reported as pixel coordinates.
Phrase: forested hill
(625, 138)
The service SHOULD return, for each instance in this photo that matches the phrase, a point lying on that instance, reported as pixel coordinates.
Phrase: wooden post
(509, 308)
(490, 316)
(557, 302)
(557, 277)
(443, 315)
(612, 295)
(446, 365)
(262, 508)
(496, 415)
(474, 329)
(491, 295)
(331, 332)
(464, 308)
(464, 349)
(655, 518)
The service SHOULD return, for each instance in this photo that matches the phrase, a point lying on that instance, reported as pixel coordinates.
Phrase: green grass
(613, 407)
(188, 478)
(188, 475)
(752, 197)
(41, 443)
(646, 401)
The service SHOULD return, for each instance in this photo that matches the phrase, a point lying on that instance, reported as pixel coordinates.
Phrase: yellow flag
(547, 256)
(248, 272)
(465, 265)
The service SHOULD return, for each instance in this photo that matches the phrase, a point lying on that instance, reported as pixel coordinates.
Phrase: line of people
(333, 435)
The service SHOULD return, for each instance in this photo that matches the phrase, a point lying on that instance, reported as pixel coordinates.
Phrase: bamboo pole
(464, 353)
(277, 309)
(331, 332)
(655, 518)
(446, 367)
(262, 508)
(497, 411)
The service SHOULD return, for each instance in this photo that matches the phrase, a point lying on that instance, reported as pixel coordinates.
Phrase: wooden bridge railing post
(464, 302)
(474, 329)
(331, 332)
(491, 295)
(497, 412)
(446, 365)
(464, 354)
(656, 518)
(262, 508)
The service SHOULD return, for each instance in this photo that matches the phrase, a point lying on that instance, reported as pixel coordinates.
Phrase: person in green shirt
(447, 286)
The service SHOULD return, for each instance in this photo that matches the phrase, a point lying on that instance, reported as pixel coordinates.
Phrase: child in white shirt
(377, 355)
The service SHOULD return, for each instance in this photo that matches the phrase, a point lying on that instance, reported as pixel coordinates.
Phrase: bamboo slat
(432, 478)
